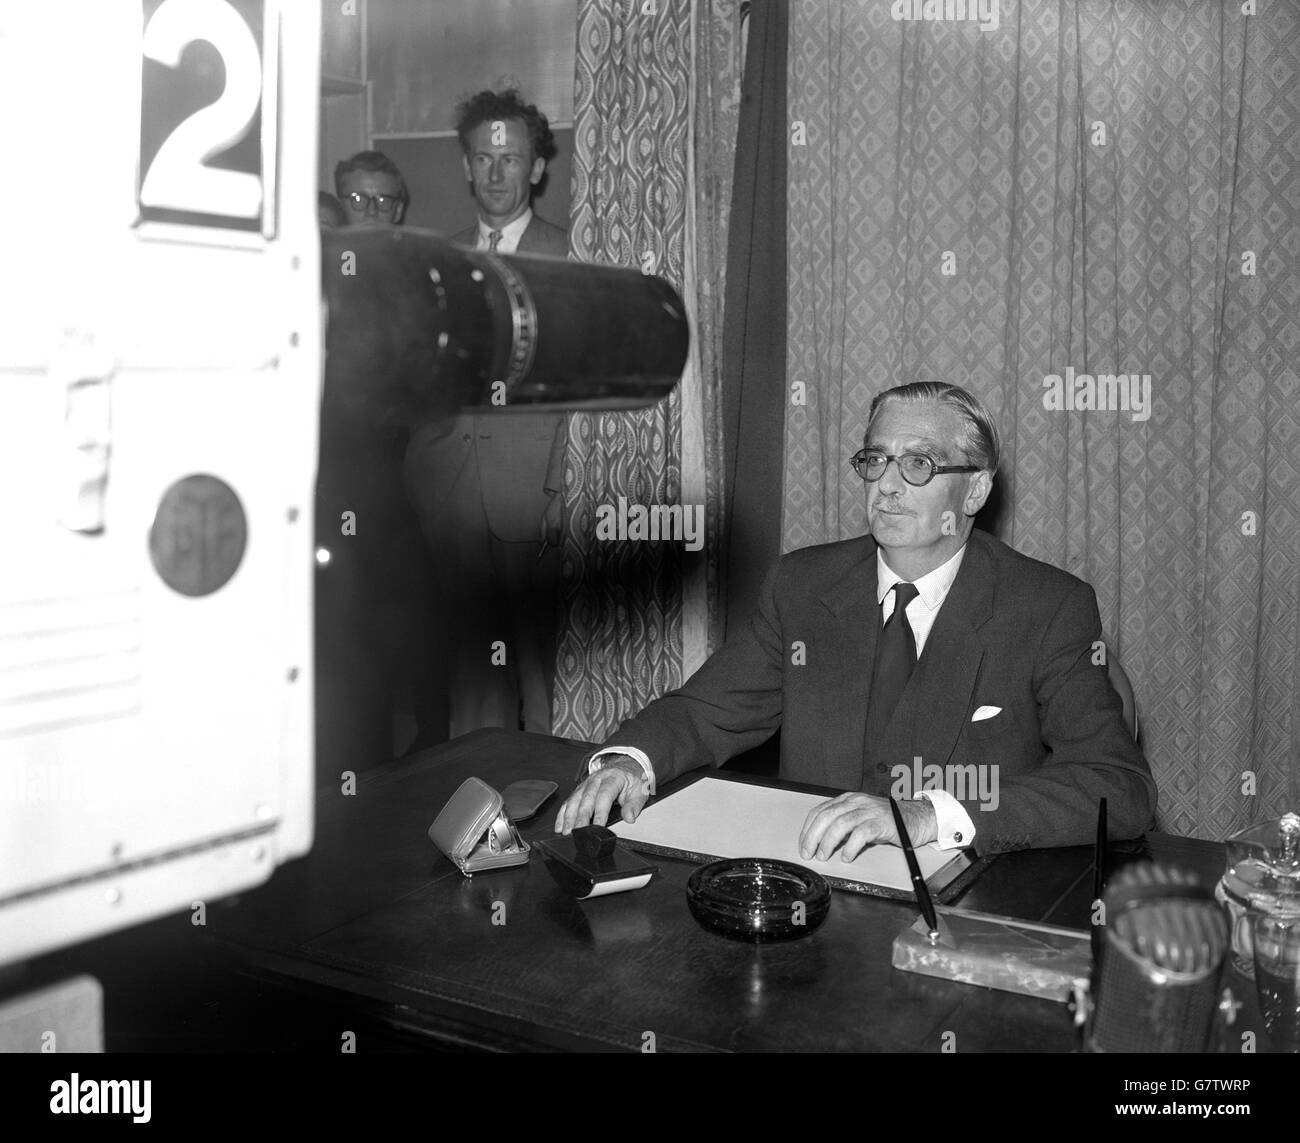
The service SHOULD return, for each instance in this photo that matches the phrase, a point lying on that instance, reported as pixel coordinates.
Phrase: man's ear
(977, 492)
(539, 169)
(464, 162)
(399, 213)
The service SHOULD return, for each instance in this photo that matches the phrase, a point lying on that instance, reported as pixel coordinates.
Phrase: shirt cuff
(640, 756)
(956, 830)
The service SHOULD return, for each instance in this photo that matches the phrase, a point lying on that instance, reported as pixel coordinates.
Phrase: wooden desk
(375, 917)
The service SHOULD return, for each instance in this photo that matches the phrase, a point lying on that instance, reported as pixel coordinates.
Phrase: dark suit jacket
(539, 237)
(1012, 633)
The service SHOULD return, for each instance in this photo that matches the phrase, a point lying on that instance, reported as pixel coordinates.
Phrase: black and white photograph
(641, 527)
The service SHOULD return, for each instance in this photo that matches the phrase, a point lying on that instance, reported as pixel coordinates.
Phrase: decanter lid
(1264, 864)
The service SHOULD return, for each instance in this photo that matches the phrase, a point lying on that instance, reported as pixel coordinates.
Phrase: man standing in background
(377, 626)
(506, 145)
(487, 486)
(371, 189)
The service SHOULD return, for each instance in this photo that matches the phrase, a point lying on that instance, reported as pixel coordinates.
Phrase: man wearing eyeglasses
(378, 633)
(371, 189)
(925, 641)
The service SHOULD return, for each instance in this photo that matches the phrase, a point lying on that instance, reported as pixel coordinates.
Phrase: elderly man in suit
(925, 643)
(487, 486)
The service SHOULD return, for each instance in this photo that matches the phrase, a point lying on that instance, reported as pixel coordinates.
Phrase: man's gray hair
(978, 439)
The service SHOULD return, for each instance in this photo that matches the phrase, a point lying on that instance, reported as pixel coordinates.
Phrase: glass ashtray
(758, 898)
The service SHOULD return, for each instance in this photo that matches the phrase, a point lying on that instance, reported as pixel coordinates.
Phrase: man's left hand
(860, 820)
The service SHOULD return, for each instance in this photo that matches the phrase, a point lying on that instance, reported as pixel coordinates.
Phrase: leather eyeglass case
(475, 831)
(524, 798)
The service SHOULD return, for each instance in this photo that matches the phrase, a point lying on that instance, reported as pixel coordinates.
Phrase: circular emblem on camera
(198, 536)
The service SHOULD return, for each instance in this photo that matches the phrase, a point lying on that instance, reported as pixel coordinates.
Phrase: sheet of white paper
(735, 819)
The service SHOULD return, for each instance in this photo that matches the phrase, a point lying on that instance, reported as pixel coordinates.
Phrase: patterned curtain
(1094, 187)
(717, 73)
(648, 195)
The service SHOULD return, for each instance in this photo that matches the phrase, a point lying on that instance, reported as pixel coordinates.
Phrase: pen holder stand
(997, 952)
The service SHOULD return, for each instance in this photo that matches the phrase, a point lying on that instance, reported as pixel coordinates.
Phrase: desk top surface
(377, 911)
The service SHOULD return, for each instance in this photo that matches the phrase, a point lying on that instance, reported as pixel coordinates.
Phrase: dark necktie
(494, 240)
(895, 658)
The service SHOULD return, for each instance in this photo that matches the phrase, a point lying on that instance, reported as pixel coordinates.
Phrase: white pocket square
(985, 712)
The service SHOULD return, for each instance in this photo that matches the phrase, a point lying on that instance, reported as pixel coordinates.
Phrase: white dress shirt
(955, 828)
(511, 233)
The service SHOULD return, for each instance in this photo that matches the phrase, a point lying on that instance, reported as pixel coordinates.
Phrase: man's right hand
(620, 779)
